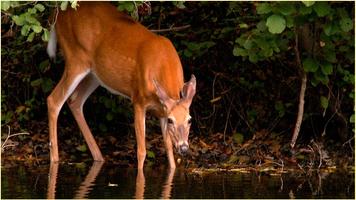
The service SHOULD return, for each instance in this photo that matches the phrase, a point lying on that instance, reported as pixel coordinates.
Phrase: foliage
(326, 36)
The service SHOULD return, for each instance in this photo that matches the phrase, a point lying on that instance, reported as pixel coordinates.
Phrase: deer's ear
(165, 100)
(189, 90)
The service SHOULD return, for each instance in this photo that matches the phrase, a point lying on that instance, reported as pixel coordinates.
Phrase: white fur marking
(52, 43)
(75, 83)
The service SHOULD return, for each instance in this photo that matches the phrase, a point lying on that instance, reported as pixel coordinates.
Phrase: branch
(171, 29)
(4, 144)
(303, 87)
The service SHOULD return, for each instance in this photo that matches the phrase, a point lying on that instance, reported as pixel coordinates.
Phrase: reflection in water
(88, 183)
(85, 186)
(52, 180)
(140, 185)
(167, 187)
(74, 181)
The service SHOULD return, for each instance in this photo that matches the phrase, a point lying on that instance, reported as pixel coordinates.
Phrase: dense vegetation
(250, 59)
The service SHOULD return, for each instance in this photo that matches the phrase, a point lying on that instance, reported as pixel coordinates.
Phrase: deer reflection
(166, 189)
(88, 182)
(85, 186)
(52, 180)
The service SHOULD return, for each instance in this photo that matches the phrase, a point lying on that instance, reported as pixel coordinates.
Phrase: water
(109, 181)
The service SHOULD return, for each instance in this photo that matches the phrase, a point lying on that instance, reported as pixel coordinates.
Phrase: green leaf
(286, 8)
(150, 154)
(32, 11)
(238, 138)
(278, 106)
(45, 35)
(30, 37)
(40, 7)
(43, 66)
(310, 65)
(179, 4)
(243, 25)
(261, 26)
(319, 76)
(19, 20)
(330, 55)
(82, 148)
(308, 3)
(239, 51)
(327, 68)
(248, 44)
(305, 10)
(109, 116)
(324, 102)
(322, 8)
(32, 20)
(64, 5)
(74, 4)
(289, 21)
(36, 28)
(346, 24)
(352, 118)
(25, 30)
(5, 5)
(47, 85)
(276, 24)
(263, 8)
(36, 82)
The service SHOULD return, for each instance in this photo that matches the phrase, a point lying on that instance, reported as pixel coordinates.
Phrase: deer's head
(177, 122)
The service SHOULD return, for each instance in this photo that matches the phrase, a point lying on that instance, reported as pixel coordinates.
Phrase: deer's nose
(183, 149)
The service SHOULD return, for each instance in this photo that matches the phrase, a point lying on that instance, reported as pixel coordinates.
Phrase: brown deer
(102, 46)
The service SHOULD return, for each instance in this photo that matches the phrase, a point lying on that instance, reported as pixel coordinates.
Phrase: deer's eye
(170, 121)
(190, 121)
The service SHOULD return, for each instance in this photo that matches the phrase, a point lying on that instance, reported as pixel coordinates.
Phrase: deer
(104, 47)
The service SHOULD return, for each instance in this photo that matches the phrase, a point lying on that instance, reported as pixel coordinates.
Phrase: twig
(4, 145)
(227, 118)
(320, 153)
(213, 93)
(348, 141)
(301, 95)
(170, 29)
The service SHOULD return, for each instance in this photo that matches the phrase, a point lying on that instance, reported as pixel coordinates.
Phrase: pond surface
(108, 181)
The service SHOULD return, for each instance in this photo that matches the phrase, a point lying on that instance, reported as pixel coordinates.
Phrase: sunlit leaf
(276, 24)
(19, 20)
(352, 118)
(308, 3)
(36, 29)
(30, 37)
(82, 148)
(5, 5)
(64, 5)
(324, 102)
(39, 7)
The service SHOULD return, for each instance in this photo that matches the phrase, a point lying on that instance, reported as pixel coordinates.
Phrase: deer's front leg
(140, 115)
(168, 142)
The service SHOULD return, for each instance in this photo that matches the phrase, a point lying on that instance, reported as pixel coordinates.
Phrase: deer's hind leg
(76, 102)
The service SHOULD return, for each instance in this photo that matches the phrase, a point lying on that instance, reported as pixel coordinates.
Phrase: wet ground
(98, 180)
